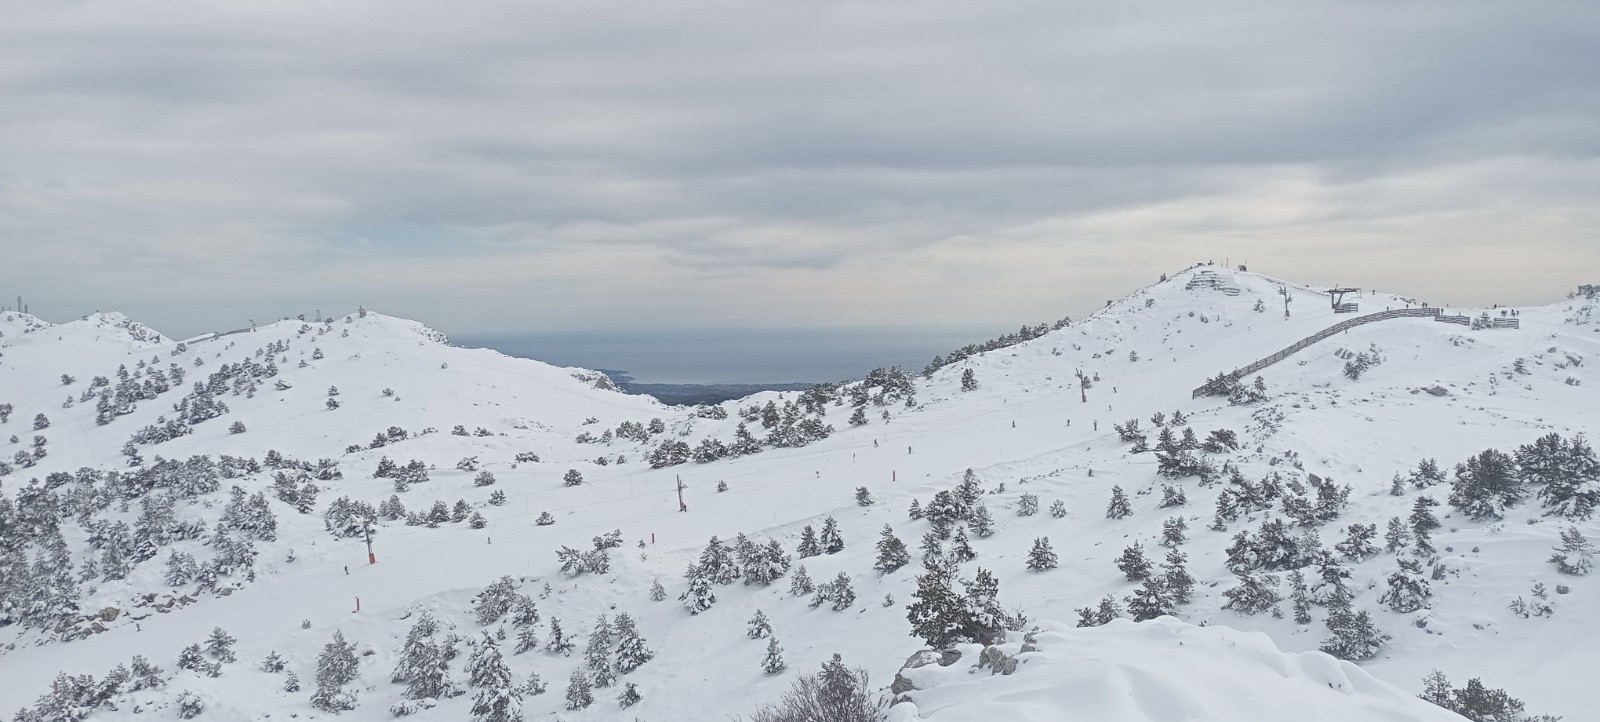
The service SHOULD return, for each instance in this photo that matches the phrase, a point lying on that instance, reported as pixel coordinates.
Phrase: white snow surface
(1025, 427)
(1162, 670)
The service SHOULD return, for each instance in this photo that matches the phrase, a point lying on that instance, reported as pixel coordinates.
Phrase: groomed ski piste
(1442, 391)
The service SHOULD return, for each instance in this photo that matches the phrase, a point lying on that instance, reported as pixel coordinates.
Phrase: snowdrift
(1163, 670)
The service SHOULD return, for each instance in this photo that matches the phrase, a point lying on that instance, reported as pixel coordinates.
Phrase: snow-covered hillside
(1028, 431)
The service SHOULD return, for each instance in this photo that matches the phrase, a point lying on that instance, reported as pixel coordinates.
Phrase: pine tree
(892, 553)
(1357, 546)
(1255, 594)
(1570, 480)
(717, 564)
(1119, 508)
(863, 496)
(932, 549)
(1058, 509)
(597, 655)
(1299, 597)
(337, 666)
(969, 380)
(808, 543)
(960, 548)
(1172, 532)
(1028, 505)
(981, 522)
(1397, 536)
(1041, 557)
(629, 697)
(220, 646)
(1575, 555)
(579, 694)
(697, 597)
(559, 642)
(1152, 599)
(759, 626)
(938, 614)
(1175, 577)
(1408, 589)
(1354, 636)
(411, 654)
(498, 698)
(1101, 615)
(773, 663)
(800, 583)
(632, 652)
(1485, 486)
(831, 541)
(657, 592)
(1133, 564)
(915, 511)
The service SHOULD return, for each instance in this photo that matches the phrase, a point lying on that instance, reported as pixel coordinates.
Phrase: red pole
(358, 604)
(893, 476)
(652, 537)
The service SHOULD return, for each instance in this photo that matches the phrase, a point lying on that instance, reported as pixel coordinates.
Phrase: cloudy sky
(535, 165)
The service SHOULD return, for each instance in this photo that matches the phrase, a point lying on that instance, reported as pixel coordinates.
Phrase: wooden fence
(1325, 333)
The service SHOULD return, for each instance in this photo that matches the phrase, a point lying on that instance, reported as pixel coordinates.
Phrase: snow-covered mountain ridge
(1025, 429)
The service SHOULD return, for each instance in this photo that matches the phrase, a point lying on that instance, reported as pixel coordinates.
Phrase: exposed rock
(1437, 391)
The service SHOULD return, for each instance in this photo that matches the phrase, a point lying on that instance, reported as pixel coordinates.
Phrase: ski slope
(1027, 426)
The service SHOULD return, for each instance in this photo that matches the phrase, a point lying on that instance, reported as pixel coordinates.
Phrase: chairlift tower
(1336, 297)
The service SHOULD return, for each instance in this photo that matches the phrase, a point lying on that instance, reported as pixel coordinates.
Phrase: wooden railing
(1325, 333)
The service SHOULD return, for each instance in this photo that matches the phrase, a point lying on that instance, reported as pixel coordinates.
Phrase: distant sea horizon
(732, 356)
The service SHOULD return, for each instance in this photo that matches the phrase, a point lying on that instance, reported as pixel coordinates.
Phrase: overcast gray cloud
(498, 166)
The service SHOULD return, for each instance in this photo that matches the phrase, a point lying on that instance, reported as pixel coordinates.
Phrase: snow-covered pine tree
(1299, 597)
(808, 543)
(981, 521)
(960, 548)
(1041, 557)
(773, 663)
(758, 626)
(1255, 594)
(969, 380)
(697, 597)
(1152, 599)
(1028, 504)
(579, 693)
(1397, 536)
(716, 563)
(892, 553)
(499, 699)
(337, 666)
(1569, 477)
(1408, 588)
(597, 654)
(1101, 615)
(1358, 546)
(658, 593)
(800, 583)
(632, 652)
(1486, 485)
(559, 642)
(1175, 577)
(830, 540)
(1058, 509)
(220, 646)
(629, 697)
(1119, 508)
(1173, 532)
(863, 496)
(1575, 555)
(915, 511)
(1133, 563)
(938, 615)
(1354, 635)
